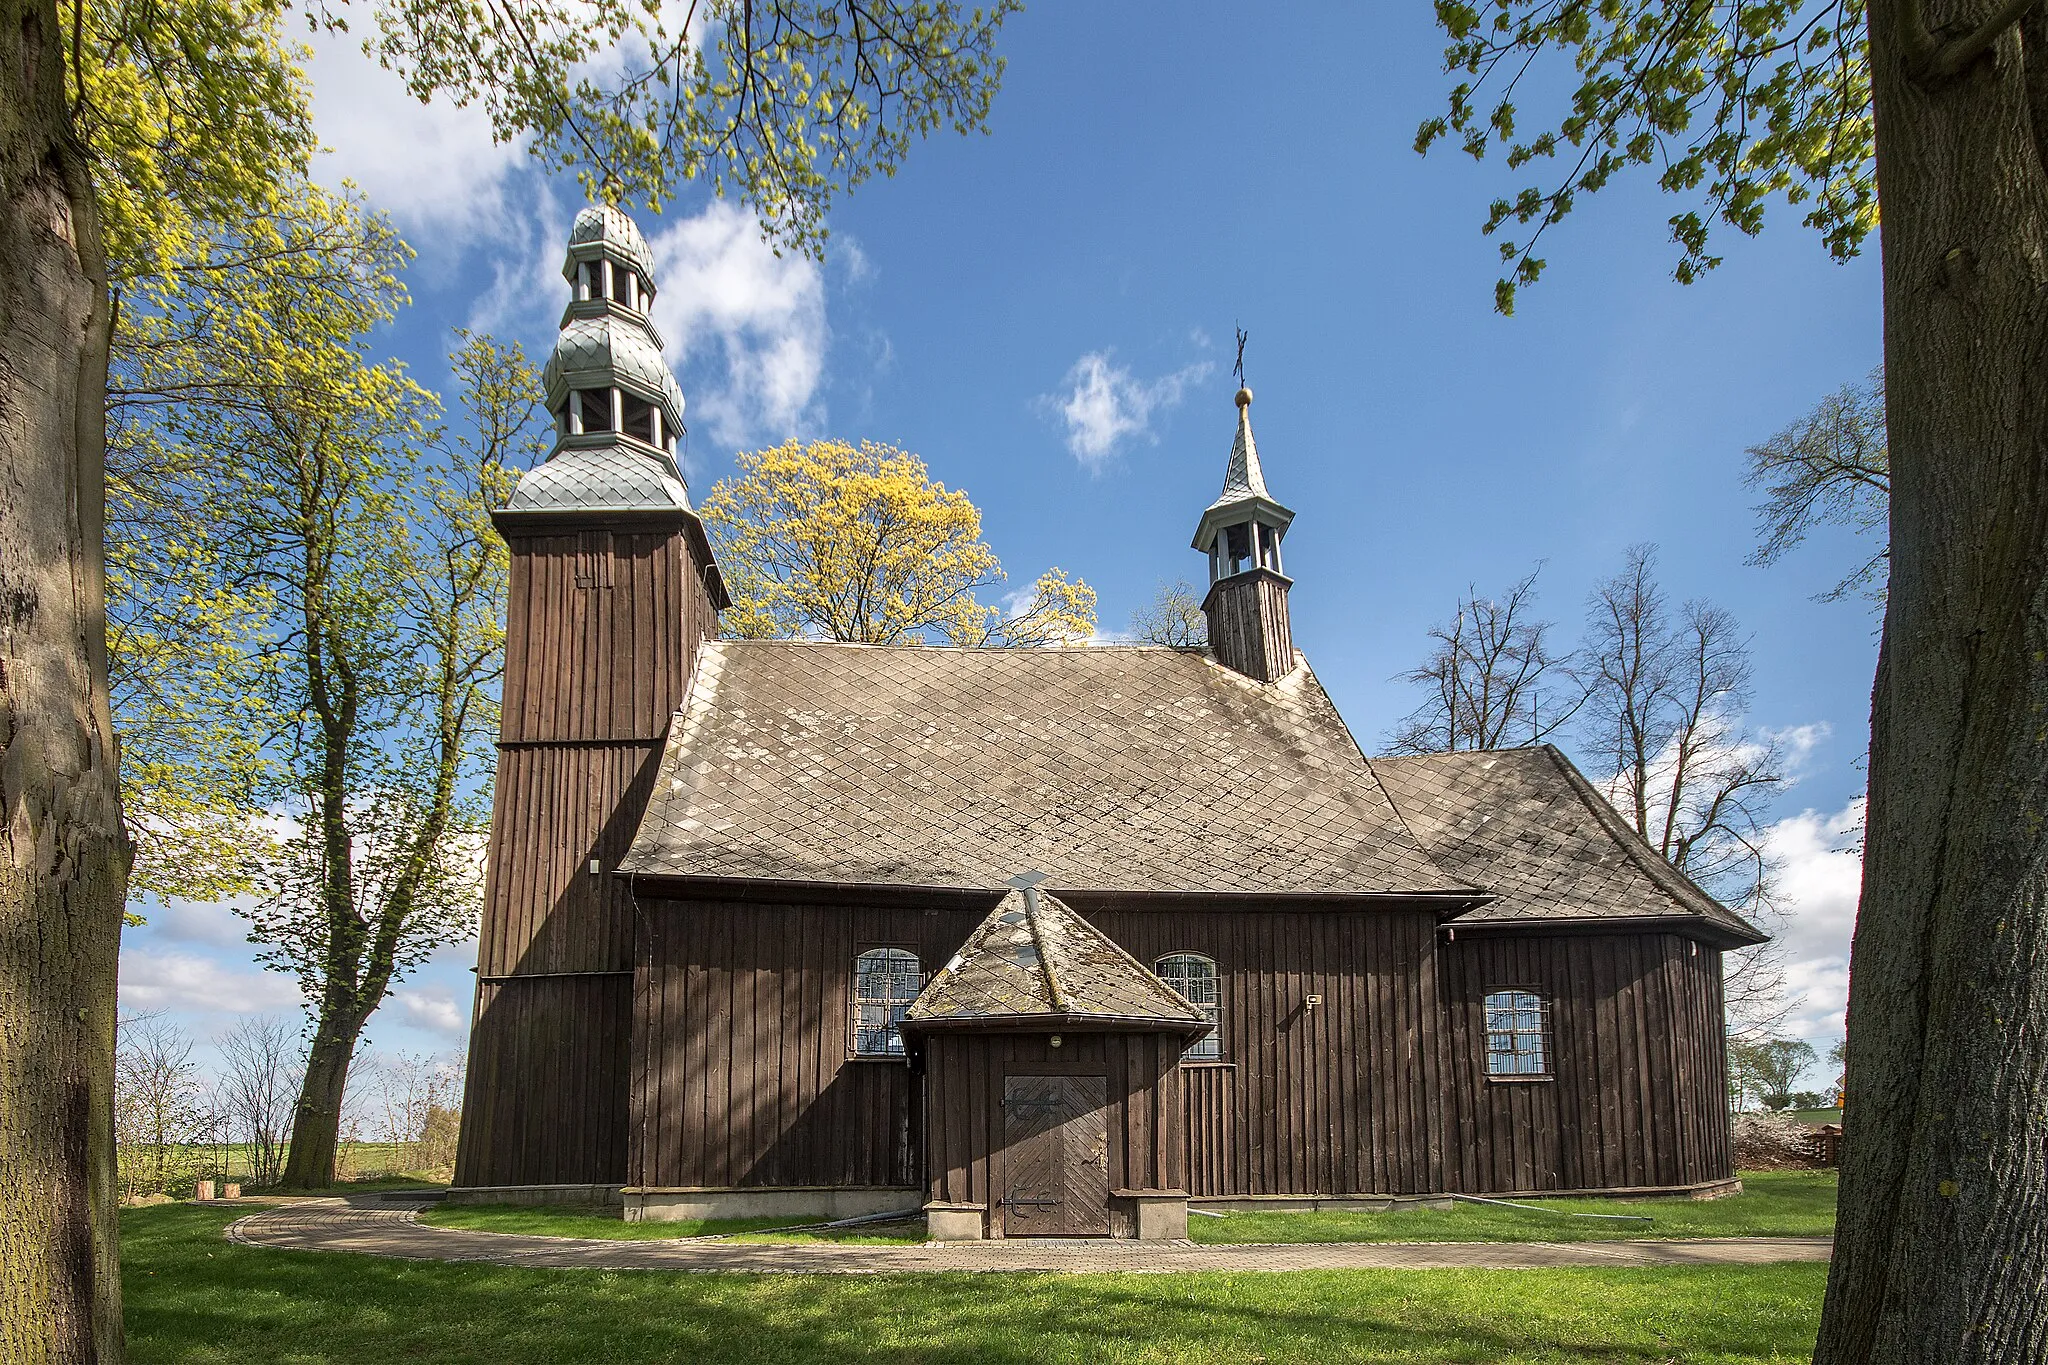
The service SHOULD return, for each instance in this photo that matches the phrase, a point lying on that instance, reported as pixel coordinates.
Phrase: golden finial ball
(1244, 398)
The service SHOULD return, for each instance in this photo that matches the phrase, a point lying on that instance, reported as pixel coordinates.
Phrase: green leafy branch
(1737, 100)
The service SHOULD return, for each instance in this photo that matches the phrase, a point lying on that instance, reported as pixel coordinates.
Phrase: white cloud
(1797, 745)
(728, 302)
(1104, 404)
(461, 953)
(432, 166)
(1819, 881)
(432, 1012)
(745, 329)
(527, 291)
(214, 925)
(155, 979)
(859, 269)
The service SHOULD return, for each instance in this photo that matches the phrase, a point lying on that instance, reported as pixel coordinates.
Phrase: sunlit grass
(194, 1299)
(1772, 1204)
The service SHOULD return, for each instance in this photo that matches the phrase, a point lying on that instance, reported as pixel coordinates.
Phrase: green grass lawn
(575, 1220)
(193, 1299)
(1772, 1204)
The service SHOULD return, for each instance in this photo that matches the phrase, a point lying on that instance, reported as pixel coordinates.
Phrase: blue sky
(1045, 315)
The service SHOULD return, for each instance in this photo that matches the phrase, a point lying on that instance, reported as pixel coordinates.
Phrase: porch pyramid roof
(1034, 958)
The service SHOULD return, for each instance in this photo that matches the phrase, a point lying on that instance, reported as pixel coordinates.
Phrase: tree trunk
(63, 858)
(316, 1123)
(1942, 1245)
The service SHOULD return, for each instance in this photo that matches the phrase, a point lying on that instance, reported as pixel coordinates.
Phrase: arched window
(1194, 976)
(1516, 1044)
(885, 981)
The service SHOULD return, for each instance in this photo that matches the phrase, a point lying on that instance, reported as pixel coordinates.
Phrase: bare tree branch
(1831, 467)
(1492, 679)
(1173, 617)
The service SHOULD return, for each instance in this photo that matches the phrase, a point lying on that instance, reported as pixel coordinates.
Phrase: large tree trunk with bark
(63, 859)
(1942, 1245)
(316, 1122)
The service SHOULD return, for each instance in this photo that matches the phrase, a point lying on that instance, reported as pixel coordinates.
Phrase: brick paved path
(387, 1230)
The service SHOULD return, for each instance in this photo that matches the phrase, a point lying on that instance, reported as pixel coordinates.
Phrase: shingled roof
(1115, 768)
(1034, 958)
(1526, 824)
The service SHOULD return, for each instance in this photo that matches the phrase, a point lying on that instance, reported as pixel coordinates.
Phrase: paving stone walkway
(385, 1229)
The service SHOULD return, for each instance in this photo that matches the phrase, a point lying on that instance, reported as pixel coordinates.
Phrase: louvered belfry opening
(1241, 533)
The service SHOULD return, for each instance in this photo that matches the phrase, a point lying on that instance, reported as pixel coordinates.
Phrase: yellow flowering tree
(859, 544)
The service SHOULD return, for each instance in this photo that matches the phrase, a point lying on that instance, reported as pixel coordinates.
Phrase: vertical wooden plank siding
(1638, 1089)
(1248, 625)
(601, 632)
(757, 1017)
(964, 1082)
(744, 1008)
(562, 1110)
(1339, 1098)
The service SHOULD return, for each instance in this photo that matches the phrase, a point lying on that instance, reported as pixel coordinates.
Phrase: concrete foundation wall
(602, 1195)
(820, 1202)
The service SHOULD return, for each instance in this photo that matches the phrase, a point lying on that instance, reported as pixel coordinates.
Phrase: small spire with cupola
(618, 410)
(1241, 533)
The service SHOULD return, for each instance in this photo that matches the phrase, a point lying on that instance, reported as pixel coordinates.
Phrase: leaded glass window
(1194, 976)
(885, 981)
(1516, 1044)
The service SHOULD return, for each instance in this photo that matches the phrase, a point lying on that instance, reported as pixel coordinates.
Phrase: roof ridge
(1053, 992)
(1463, 753)
(1365, 760)
(1000, 974)
(1672, 881)
(1130, 959)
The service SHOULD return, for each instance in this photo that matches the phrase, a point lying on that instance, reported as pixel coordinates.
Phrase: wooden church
(1043, 941)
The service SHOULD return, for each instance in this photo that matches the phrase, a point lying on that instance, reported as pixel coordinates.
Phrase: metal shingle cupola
(1241, 533)
(618, 410)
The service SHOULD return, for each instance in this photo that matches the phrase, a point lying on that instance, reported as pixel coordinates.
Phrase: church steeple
(612, 587)
(1241, 533)
(618, 410)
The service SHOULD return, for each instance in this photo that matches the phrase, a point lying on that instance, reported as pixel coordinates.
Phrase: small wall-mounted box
(1313, 1002)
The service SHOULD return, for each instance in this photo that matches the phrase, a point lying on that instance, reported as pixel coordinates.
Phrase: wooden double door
(1056, 1156)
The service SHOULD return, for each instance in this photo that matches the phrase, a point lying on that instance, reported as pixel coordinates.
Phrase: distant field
(360, 1161)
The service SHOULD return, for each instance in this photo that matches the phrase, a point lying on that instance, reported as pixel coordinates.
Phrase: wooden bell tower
(612, 587)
